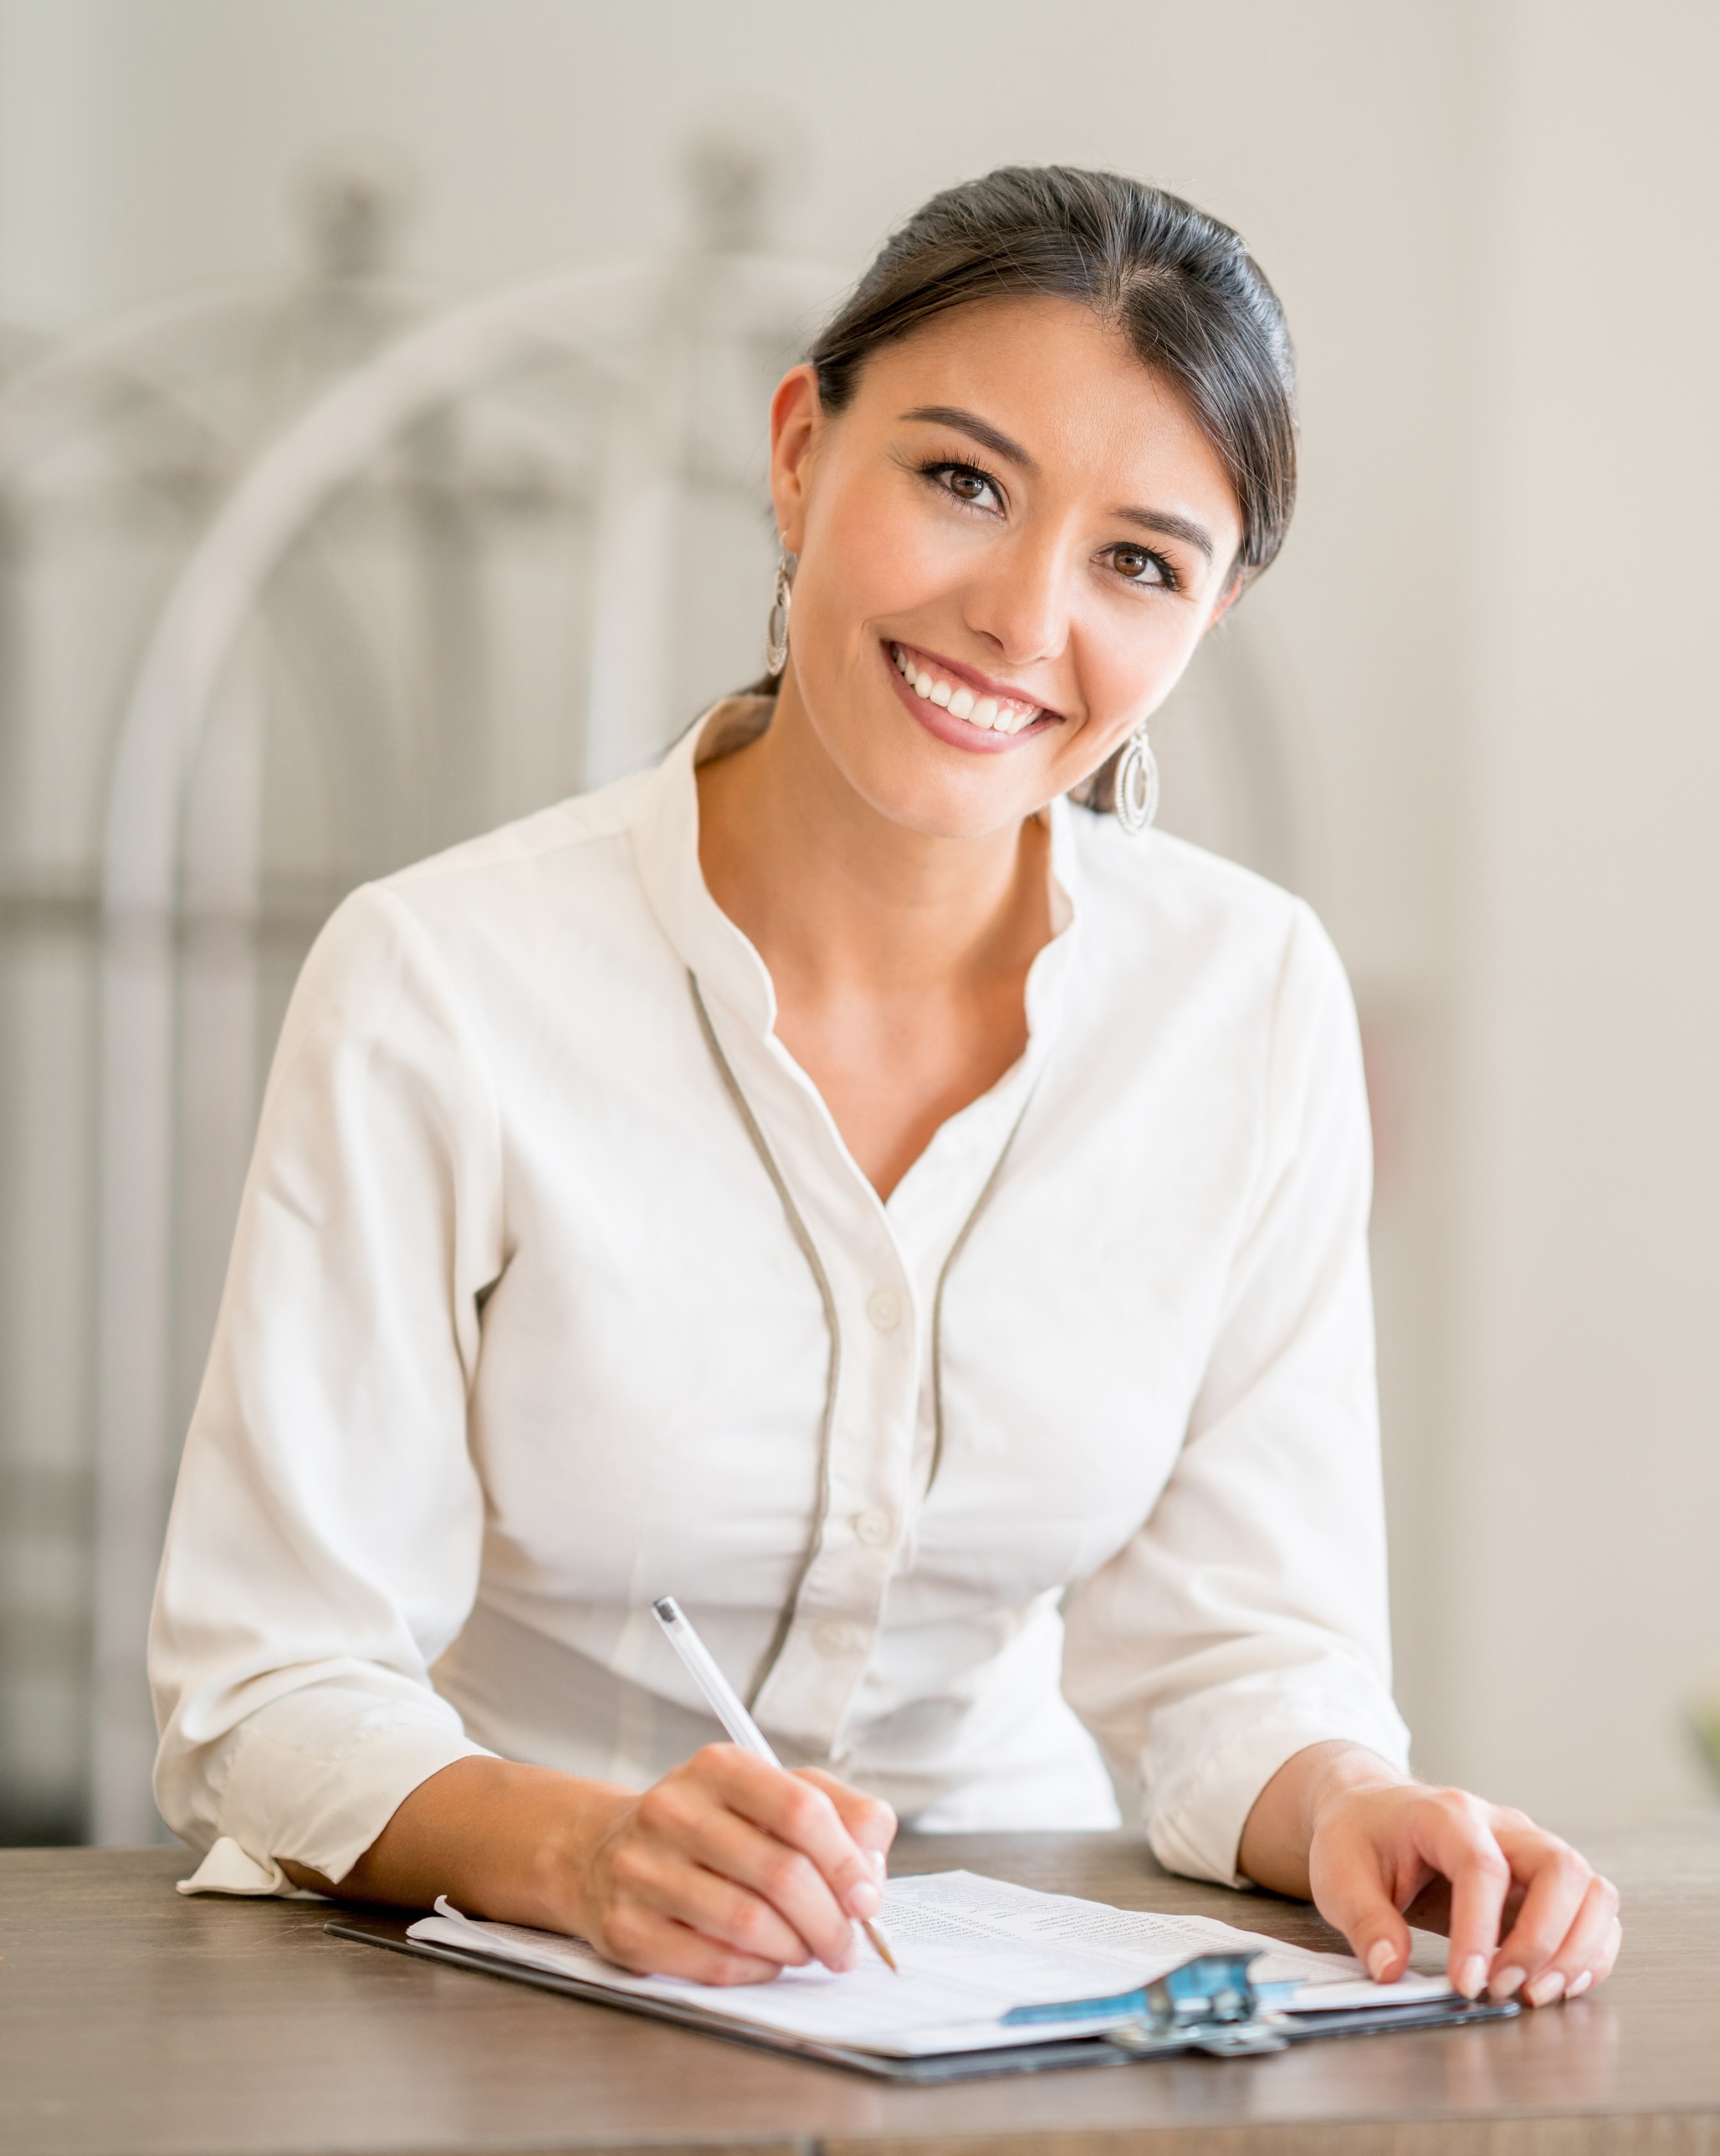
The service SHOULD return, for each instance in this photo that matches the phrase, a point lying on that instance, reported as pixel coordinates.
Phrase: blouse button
(884, 1309)
(832, 1636)
(873, 1528)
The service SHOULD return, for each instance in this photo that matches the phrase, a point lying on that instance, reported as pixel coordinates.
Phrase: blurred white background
(1480, 685)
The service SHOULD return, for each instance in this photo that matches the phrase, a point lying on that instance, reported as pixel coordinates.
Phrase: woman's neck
(840, 899)
(900, 959)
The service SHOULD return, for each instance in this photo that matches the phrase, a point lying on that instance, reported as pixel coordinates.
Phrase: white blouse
(556, 1289)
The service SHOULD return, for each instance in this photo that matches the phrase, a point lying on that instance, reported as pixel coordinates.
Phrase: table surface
(134, 2020)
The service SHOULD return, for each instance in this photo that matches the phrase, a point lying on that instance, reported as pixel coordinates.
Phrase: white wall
(1584, 1593)
(1487, 634)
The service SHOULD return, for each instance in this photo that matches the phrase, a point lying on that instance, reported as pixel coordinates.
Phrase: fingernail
(880, 1865)
(862, 1899)
(1379, 1959)
(1579, 1984)
(1546, 1988)
(1505, 1982)
(1471, 1975)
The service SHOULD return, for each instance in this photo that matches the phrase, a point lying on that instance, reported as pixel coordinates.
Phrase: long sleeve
(326, 1535)
(1247, 1618)
(406, 1531)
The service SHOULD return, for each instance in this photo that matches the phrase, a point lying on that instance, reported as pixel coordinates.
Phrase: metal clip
(1206, 2004)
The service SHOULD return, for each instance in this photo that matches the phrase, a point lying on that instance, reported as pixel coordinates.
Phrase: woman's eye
(1137, 564)
(967, 482)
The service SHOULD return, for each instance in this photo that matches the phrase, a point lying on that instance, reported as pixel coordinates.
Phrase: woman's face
(1015, 516)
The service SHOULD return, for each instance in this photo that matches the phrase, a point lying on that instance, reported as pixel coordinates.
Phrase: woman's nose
(1020, 602)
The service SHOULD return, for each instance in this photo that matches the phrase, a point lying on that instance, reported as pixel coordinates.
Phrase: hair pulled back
(1182, 287)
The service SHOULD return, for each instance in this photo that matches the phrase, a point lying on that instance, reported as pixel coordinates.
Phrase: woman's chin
(938, 803)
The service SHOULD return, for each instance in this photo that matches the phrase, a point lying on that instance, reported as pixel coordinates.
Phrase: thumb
(1352, 1896)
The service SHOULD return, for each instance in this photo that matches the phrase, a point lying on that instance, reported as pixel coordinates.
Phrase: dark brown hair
(1180, 285)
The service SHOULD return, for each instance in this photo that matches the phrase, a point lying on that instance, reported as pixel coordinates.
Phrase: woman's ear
(795, 418)
(1227, 597)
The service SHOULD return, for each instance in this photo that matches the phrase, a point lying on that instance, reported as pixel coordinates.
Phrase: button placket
(839, 1602)
(843, 1595)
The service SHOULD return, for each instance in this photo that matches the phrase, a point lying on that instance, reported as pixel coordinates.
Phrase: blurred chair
(506, 558)
(115, 447)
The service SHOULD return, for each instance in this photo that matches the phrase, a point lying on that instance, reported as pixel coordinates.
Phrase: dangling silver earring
(776, 626)
(1137, 784)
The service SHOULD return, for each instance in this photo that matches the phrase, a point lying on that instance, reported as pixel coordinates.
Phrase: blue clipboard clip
(1207, 2004)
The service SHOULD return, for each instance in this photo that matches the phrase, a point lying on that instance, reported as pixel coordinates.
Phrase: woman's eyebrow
(1168, 527)
(979, 431)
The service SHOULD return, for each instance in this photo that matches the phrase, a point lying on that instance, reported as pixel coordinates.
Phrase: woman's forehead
(1062, 387)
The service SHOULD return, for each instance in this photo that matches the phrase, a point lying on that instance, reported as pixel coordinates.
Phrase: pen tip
(882, 1945)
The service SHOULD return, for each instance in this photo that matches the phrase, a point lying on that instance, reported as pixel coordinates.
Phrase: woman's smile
(959, 704)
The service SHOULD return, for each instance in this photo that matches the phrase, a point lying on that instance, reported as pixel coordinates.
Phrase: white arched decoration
(116, 444)
(643, 329)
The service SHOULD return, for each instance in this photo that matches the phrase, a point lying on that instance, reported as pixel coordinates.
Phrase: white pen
(727, 1704)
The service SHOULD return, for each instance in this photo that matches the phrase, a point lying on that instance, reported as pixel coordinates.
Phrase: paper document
(970, 1949)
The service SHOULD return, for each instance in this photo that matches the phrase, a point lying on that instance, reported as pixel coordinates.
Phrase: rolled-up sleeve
(327, 1531)
(1247, 1618)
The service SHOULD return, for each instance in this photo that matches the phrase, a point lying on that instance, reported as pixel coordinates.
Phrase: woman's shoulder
(1145, 891)
(497, 906)
(575, 835)
(1174, 928)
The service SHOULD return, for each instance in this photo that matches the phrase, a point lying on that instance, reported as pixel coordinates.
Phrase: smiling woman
(829, 1179)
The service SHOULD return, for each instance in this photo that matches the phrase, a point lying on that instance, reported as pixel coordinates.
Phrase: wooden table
(134, 2022)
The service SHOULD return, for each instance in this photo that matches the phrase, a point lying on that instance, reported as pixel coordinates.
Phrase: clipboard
(389, 1930)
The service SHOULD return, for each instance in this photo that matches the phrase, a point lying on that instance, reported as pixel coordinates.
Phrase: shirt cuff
(1195, 1818)
(279, 1801)
(227, 1869)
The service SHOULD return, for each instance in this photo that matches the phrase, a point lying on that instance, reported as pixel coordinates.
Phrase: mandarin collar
(664, 830)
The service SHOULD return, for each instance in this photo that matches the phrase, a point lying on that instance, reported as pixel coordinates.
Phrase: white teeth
(990, 714)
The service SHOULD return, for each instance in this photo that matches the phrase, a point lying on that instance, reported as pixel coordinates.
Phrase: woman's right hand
(725, 1872)
(729, 1871)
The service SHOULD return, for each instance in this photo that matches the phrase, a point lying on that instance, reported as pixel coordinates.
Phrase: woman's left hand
(1524, 1911)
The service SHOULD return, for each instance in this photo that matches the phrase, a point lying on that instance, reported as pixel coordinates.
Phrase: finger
(692, 1831)
(1455, 1838)
(1351, 1892)
(1603, 1966)
(678, 1868)
(785, 1880)
(643, 1940)
(1585, 1954)
(754, 1905)
(1558, 1882)
(870, 1822)
(797, 1812)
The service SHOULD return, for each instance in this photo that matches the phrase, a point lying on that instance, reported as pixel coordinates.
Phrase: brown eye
(969, 486)
(1136, 564)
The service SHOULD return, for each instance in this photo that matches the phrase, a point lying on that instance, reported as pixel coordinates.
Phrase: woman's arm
(1523, 1911)
(725, 1872)
(327, 1529)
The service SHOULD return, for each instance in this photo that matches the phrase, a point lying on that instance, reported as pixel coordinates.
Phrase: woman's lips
(959, 708)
